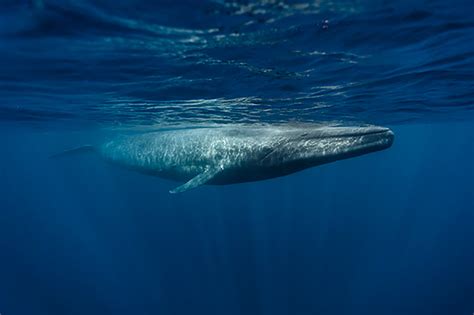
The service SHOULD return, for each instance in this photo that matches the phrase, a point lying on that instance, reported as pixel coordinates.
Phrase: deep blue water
(386, 233)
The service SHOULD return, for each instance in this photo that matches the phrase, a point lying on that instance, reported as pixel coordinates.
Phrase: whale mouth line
(386, 132)
(377, 132)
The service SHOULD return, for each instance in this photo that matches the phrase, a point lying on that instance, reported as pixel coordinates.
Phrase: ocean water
(386, 233)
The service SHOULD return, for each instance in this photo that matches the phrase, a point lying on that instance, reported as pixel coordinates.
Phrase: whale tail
(76, 151)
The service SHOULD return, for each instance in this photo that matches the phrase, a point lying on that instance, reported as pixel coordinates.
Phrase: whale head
(307, 147)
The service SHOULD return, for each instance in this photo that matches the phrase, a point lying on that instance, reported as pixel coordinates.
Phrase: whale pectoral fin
(198, 180)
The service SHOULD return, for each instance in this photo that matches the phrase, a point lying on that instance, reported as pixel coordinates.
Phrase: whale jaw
(311, 148)
(351, 142)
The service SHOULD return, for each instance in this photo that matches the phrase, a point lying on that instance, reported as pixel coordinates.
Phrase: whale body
(235, 154)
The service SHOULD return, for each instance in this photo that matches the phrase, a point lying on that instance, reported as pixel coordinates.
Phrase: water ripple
(172, 62)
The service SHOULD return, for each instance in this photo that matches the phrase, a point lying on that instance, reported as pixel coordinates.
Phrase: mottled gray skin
(236, 154)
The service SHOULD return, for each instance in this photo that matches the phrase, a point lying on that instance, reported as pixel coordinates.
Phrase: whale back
(184, 154)
(235, 154)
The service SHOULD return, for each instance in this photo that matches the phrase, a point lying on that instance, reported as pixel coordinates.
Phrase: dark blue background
(387, 233)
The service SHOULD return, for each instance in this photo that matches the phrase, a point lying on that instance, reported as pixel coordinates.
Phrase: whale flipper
(198, 180)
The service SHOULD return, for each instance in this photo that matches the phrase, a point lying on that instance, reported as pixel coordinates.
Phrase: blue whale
(238, 153)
